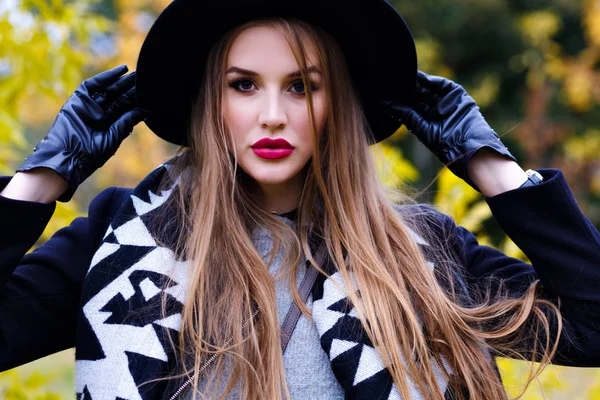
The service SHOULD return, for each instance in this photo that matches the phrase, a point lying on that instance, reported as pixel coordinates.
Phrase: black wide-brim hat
(374, 38)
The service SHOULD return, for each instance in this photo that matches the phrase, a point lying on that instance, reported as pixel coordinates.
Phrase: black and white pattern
(353, 358)
(122, 337)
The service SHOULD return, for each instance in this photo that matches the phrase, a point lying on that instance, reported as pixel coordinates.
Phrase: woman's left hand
(448, 121)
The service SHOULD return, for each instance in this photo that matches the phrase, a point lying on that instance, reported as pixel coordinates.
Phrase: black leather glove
(448, 122)
(88, 129)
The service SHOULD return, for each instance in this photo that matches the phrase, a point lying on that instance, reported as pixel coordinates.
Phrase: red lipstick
(272, 149)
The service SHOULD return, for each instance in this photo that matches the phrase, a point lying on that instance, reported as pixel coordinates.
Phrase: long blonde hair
(414, 316)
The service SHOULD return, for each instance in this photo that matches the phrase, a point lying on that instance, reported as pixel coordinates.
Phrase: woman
(180, 287)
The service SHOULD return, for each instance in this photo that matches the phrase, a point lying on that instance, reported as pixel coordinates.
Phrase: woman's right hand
(89, 129)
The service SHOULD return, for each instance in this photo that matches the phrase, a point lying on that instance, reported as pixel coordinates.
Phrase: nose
(272, 114)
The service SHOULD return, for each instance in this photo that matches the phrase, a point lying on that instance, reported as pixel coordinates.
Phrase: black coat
(40, 291)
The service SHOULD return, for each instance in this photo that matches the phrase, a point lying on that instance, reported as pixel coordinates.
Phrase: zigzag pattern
(353, 358)
(122, 338)
(120, 311)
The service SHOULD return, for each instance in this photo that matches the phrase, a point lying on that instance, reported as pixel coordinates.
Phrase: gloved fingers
(436, 84)
(112, 92)
(409, 116)
(426, 96)
(125, 102)
(428, 104)
(80, 106)
(98, 83)
(454, 100)
(430, 82)
(428, 112)
(124, 125)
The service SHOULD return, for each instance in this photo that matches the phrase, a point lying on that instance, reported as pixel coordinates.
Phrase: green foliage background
(532, 66)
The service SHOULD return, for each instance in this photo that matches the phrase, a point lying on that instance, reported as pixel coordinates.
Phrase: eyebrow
(242, 71)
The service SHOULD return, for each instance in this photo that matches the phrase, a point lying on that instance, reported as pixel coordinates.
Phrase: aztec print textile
(122, 339)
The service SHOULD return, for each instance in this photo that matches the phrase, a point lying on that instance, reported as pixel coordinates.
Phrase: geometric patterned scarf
(122, 338)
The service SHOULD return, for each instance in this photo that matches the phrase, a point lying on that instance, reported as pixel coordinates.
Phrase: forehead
(265, 49)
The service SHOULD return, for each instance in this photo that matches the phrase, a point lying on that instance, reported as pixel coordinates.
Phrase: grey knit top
(307, 369)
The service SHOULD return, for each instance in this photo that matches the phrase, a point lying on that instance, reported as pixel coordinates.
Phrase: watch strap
(533, 178)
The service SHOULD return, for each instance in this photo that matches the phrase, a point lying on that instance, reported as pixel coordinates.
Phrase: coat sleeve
(40, 290)
(563, 246)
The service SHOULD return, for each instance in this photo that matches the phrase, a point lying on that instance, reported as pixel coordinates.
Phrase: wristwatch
(533, 178)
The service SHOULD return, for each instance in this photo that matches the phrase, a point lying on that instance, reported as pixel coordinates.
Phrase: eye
(298, 87)
(242, 85)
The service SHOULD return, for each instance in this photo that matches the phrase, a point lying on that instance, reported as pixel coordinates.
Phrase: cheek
(237, 119)
(233, 115)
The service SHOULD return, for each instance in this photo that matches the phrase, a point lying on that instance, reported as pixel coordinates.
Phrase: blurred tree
(533, 68)
(46, 50)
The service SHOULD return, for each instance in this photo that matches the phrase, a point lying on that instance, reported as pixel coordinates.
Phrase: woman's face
(265, 99)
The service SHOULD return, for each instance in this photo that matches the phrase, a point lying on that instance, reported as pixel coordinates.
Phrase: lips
(272, 149)
(268, 143)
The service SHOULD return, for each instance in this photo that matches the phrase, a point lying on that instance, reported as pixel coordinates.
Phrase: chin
(273, 176)
(278, 180)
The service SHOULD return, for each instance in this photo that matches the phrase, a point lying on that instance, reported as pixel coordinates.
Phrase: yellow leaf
(486, 91)
(509, 248)
(539, 27)
(583, 148)
(475, 216)
(454, 196)
(393, 168)
(591, 21)
(577, 87)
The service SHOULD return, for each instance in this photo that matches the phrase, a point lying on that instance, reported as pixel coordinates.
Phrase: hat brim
(374, 38)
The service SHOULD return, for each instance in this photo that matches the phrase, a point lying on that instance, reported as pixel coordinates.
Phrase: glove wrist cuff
(459, 165)
(66, 167)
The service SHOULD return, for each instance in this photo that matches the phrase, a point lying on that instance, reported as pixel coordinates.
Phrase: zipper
(208, 362)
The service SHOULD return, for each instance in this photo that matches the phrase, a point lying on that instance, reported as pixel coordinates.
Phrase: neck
(282, 197)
